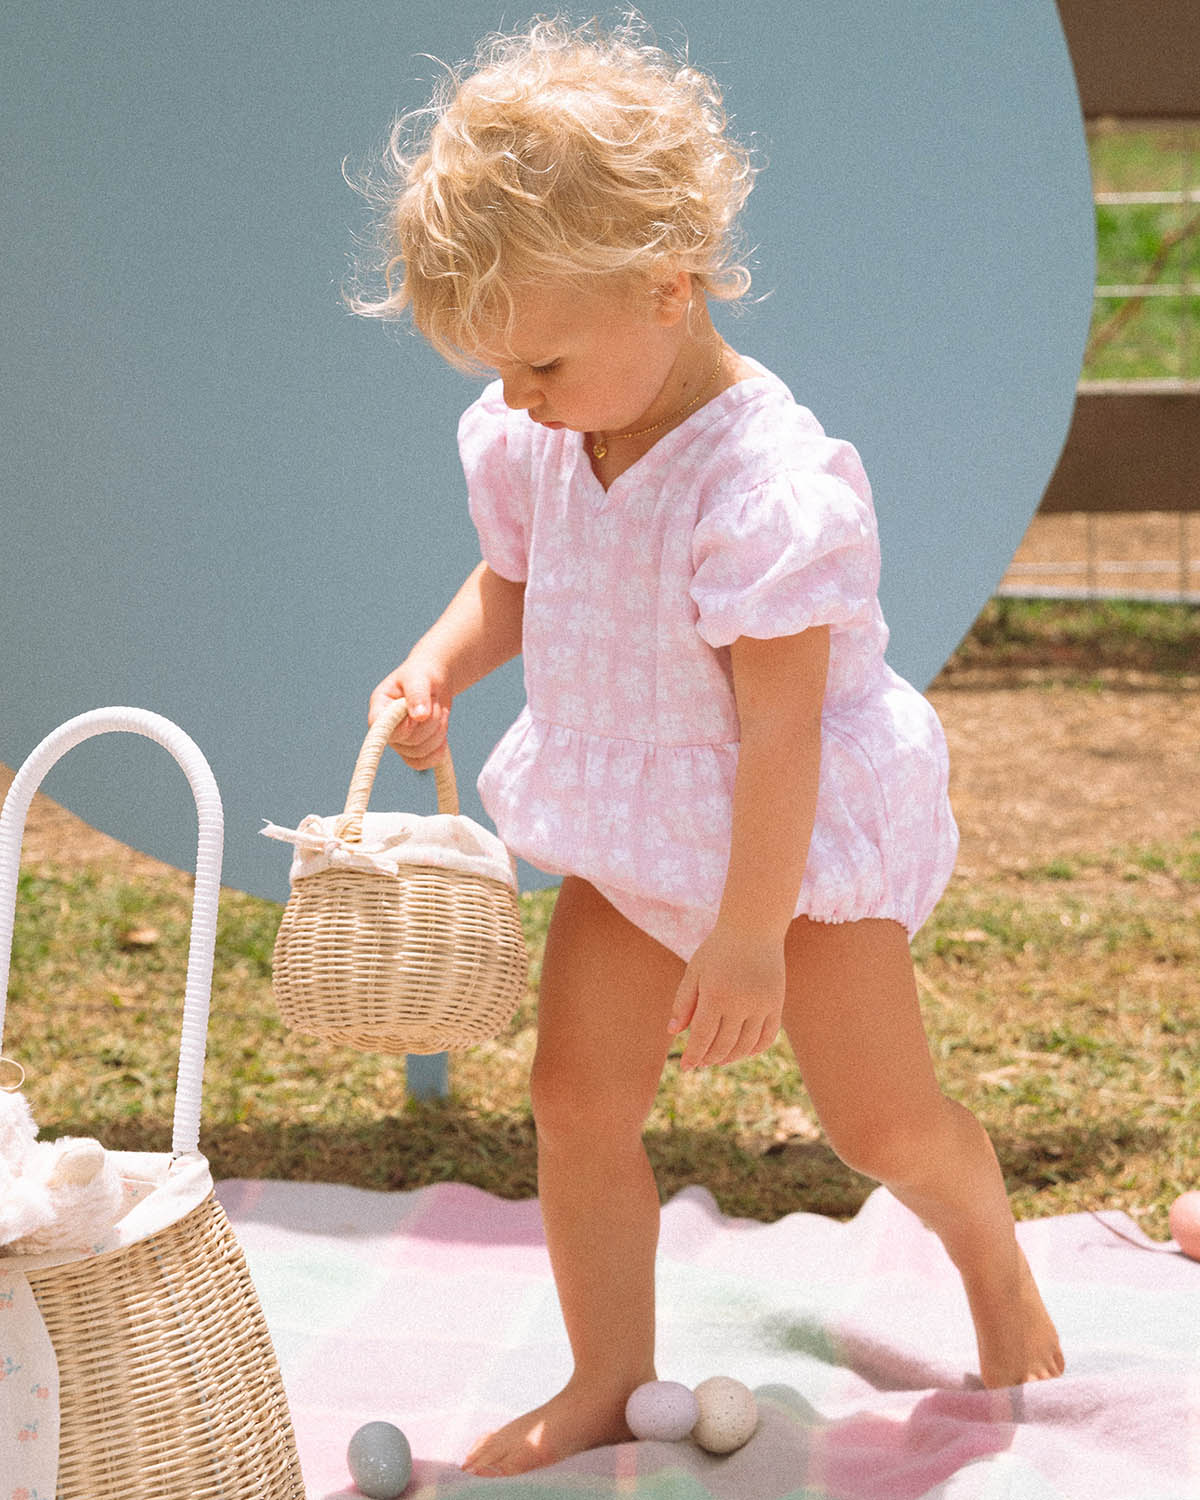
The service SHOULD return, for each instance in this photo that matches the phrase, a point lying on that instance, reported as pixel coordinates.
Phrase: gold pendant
(599, 448)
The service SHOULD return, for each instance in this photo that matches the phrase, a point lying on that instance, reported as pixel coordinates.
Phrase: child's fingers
(709, 1043)
(420, 700)
(685, 1006)
(422, 743)
(710, 1036)
(381, 699)
(731, 1042)
(766, 1035)
(743, 1045)
(421, 734)
(389, 692)
(755, 1037)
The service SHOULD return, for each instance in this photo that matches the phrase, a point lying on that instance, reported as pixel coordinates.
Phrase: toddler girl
(747, 806)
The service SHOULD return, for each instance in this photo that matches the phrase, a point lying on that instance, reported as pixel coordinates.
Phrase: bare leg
(854, 1021)
(606, 995)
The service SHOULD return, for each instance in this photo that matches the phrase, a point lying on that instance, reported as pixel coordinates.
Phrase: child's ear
(673, 297)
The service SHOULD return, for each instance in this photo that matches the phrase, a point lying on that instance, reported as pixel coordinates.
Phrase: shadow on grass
(439, 1142)
(1073, 1153)
(445, 1142)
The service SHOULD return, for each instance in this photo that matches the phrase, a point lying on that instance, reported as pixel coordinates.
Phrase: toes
(483, 1466)
(479, 1458)
(493, 1457)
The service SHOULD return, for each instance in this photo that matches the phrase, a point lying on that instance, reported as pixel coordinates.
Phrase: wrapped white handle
(198, 987)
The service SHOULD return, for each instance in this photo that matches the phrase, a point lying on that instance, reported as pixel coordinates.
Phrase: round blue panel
(231, 502)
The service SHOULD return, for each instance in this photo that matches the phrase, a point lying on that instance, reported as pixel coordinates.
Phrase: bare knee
(572, 1111)
(606, 995)
(893, 1151)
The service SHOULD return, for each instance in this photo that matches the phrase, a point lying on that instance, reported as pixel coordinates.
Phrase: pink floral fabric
(744, 520)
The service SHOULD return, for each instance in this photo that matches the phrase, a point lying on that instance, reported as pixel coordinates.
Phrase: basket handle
(198, 988)
(349, 825)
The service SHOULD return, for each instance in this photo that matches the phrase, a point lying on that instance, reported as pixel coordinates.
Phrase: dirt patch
(1039, 768)
(54, 836)
(1046, 769)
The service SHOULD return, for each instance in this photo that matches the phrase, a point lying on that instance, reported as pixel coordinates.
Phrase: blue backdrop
(227, 500)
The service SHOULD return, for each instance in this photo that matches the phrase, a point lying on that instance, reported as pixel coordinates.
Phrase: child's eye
(545, 369)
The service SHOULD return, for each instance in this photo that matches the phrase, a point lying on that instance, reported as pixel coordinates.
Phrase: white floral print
(744, 520)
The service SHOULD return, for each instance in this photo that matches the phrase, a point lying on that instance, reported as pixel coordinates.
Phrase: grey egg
(380, 1460)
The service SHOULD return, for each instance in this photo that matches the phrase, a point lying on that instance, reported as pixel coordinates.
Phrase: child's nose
(520, 393)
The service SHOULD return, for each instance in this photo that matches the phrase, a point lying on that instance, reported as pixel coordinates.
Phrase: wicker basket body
(426, 960)
(168, 1382)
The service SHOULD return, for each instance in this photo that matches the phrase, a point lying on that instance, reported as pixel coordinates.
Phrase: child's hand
(731, 997)
(421, 737)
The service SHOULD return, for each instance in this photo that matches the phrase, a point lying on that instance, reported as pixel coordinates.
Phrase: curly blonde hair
(565, 154)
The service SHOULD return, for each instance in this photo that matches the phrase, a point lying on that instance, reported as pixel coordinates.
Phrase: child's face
(594, 360)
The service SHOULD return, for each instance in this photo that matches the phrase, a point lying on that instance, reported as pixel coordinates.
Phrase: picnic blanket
(435, 1310)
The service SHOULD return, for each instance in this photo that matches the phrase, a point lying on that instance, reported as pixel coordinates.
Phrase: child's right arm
(479, 630)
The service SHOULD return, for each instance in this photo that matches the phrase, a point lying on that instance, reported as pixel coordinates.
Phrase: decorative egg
(661, 1411)
(380, 1460)
(1184, 1223)
(728, 1414)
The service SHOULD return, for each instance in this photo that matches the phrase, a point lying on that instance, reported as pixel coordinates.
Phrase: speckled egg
(728, 1414)
(1184, 1223)
(380, 1460)
(661, 1411)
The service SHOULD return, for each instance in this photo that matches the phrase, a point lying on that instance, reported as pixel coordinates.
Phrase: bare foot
(569, 1423)
(1017, 1340)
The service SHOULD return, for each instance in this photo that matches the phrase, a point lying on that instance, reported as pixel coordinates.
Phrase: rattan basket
(423, 960)
(168, 1383)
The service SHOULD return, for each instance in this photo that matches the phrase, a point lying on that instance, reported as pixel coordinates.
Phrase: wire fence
(1140, 555)
(1111, 556)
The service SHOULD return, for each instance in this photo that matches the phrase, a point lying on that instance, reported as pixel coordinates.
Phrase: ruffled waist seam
(537, 721)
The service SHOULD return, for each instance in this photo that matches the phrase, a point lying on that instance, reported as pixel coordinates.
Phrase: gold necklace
(600, 446)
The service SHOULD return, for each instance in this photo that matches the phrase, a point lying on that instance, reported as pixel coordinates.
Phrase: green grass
(1060, 1005)
(1060, 1000)
(1082, 638)
(1127, 157)
(1153, 337)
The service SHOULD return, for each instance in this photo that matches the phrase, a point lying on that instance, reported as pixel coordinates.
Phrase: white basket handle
(198, 988)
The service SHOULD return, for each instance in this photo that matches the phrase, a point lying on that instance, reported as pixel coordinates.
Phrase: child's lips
(552, 426)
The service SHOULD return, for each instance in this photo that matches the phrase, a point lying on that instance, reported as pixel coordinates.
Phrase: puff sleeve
(797, 550)
(495, 497)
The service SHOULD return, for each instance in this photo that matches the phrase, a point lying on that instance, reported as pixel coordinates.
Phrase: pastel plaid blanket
(435, 1310)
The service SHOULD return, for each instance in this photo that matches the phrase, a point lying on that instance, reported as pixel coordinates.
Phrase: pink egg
(1184, 1223)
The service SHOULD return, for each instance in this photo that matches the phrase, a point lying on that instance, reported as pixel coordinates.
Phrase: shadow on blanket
(435, 1309)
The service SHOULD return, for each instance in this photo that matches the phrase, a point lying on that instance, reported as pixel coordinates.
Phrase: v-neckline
(714, 408)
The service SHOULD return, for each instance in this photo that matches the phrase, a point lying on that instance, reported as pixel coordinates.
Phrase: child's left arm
(731, 996)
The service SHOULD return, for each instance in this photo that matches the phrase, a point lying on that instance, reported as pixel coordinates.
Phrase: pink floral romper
(744, 520)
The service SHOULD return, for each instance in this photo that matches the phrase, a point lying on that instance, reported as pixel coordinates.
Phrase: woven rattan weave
(426, 960)
(168, 1383)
